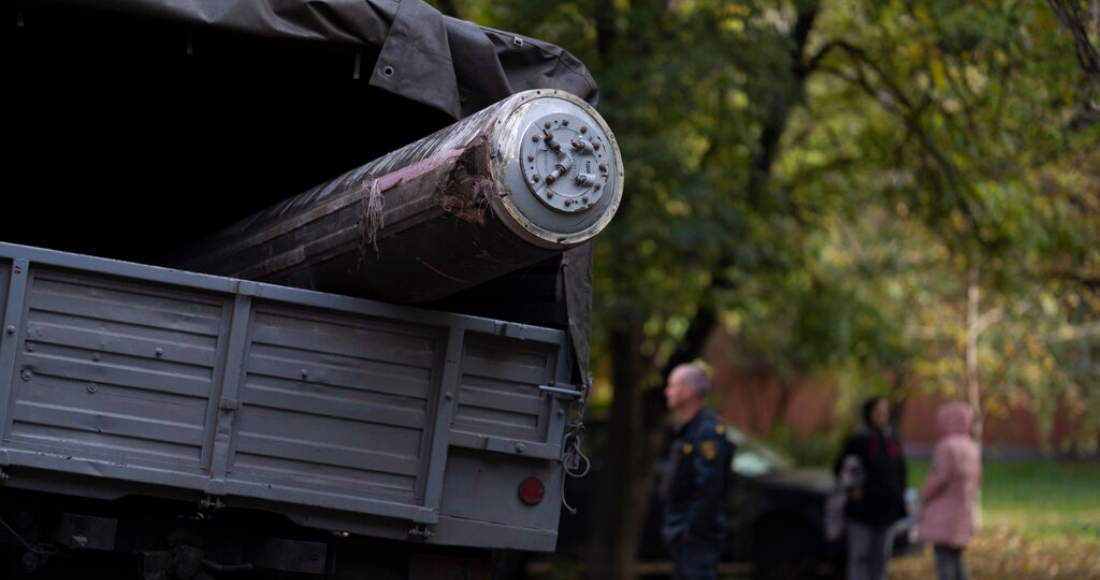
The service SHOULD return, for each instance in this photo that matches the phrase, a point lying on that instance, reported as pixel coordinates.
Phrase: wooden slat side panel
(115, 371)
(355, 391)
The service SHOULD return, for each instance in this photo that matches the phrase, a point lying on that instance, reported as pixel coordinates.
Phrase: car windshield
(755, 457)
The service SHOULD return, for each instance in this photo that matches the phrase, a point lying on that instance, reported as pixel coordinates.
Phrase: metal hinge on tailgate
(210, 503)
(419, 532)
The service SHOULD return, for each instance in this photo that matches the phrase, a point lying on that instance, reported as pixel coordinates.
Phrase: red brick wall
(752, 398)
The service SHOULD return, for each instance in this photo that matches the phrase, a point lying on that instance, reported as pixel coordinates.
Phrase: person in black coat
(696, 478)
(873, 468)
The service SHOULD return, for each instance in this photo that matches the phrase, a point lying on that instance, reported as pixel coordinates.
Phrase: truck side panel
(336, 412)
(111, 376)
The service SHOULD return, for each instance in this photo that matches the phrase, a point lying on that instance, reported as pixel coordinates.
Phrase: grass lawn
(1040, 519)
(1037, 499)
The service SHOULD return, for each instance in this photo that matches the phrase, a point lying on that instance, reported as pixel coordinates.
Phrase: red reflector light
(531, 491)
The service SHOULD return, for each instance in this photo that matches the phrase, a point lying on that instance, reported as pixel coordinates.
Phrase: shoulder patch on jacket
(687, 449)
(708, 449)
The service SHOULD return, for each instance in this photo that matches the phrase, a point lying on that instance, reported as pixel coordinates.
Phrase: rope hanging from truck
(575, 463)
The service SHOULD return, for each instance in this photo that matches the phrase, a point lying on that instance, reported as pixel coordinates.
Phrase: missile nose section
(526, 178)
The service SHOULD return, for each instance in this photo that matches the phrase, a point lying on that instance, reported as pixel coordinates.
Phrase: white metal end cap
(558, 167)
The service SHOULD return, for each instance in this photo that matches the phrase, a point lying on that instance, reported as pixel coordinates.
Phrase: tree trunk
(972, 394)
(616, 520)
(974, 326)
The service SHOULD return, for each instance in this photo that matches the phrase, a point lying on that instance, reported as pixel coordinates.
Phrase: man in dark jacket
(873, 466)
(694, 484)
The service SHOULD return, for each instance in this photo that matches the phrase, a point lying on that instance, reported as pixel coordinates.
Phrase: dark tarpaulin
(451, 65)
(143, 123)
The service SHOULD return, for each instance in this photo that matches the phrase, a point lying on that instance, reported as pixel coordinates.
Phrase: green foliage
(952, 123)
(902, 196)
(826, 176)
(816, 450)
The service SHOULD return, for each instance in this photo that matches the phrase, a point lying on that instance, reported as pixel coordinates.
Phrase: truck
(292, 290)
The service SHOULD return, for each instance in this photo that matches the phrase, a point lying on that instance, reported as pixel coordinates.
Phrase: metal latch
(567, 390)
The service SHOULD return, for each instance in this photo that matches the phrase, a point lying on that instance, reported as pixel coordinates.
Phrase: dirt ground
(1000, 554)
(996, 554)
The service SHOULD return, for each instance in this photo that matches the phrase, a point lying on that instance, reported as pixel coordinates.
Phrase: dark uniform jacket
(696, 478)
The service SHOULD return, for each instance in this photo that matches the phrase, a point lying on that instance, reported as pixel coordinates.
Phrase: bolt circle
(564, 138)
(561, 176)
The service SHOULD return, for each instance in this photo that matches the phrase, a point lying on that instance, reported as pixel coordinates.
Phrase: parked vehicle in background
(776, 520)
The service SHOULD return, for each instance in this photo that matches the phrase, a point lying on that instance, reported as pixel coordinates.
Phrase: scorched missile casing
(534, 175)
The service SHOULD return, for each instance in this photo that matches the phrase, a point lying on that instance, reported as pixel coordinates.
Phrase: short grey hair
(698, 377)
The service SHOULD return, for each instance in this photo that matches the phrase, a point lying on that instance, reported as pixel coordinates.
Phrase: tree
(860, 188)
(991, 143)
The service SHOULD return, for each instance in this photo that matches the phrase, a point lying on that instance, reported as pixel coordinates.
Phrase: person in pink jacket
(948, 496)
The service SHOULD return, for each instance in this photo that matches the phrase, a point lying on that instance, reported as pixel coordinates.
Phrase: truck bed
(120, 379)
